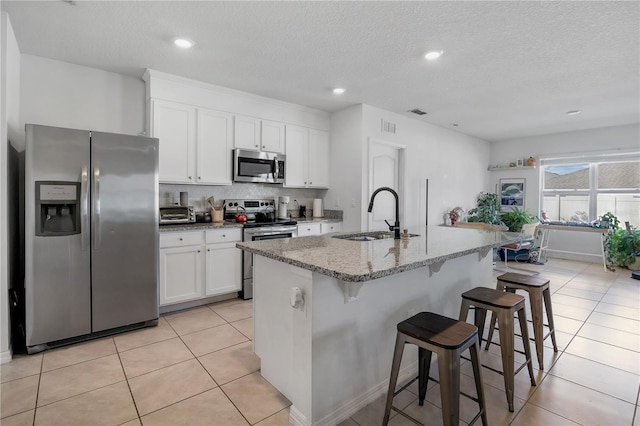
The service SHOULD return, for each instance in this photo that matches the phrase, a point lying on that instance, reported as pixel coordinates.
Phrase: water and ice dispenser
(57, 208)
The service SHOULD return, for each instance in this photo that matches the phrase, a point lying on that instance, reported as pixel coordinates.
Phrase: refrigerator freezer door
(124, 243)
(57, 268)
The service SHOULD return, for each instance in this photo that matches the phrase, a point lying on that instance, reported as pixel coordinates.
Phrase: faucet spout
(396, 226)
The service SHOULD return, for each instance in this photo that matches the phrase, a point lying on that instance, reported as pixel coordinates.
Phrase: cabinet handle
(199, 177)
(257, 146)
(305, 182)
(308, 229)
(198, 251)
(263, 146)
(310, 183)
(208, 249)
(224, 236)
(180, 238)
(189, 177)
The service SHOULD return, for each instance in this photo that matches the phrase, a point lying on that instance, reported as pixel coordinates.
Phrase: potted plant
(515, 218)
(487, 210)
(621, 246)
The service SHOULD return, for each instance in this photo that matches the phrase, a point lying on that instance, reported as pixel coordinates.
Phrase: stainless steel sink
(369, 236)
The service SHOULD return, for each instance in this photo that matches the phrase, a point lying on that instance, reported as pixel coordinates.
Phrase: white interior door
(384, 160)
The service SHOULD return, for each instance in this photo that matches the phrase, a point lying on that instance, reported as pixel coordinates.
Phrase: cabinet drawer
(327, 227)
(305, 229)
(224, 235)
(180, 239)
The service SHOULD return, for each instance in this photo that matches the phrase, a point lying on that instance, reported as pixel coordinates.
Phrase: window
(584, 187)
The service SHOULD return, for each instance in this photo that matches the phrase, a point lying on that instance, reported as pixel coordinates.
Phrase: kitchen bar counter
(326, 310)
(356, 261)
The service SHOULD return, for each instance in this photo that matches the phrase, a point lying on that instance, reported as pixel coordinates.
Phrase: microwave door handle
(276, 168)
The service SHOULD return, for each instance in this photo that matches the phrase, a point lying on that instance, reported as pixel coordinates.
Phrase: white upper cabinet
(258, 135)
(214, 145)
(174, 125)
(307, 164)
(195, 143)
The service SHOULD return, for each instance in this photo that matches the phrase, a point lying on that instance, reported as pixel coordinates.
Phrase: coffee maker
(283, 202)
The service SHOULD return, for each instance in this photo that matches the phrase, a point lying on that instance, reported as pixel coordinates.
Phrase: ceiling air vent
(418, 111)
(388, 127)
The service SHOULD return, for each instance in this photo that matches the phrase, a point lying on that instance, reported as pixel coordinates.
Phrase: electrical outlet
(353, 202)
(337, 203)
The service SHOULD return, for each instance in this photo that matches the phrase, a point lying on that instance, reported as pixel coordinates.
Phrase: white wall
(9, 129)
(446, 157)
(60, 94)
(346, 166)
(577, 245)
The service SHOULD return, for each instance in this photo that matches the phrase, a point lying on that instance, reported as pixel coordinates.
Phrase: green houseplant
(621, 246)
(515, 218)
(487, 210)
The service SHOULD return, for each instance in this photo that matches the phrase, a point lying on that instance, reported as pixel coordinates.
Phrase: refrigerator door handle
(84, 208)
(96, 208)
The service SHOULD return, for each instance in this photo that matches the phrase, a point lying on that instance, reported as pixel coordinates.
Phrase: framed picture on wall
(511, 194)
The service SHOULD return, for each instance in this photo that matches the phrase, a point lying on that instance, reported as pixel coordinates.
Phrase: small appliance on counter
(171, 215)
(283, 202)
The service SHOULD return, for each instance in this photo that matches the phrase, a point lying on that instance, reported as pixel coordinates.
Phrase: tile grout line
(126, 378)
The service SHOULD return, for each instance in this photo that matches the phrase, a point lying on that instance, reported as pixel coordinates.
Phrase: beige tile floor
(197, 368)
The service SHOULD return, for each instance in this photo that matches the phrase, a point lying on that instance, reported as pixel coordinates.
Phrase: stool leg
(477, 375)
(464, 310)
(535, 298)
(546, 294)
(480, 315)
(395, 368)
(449, 369)
(492, 327)
(424, 365)
(522, 317)
(505, 330)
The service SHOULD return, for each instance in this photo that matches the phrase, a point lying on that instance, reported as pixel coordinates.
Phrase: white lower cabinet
(189, 259)
(223, 266)
(180, 274)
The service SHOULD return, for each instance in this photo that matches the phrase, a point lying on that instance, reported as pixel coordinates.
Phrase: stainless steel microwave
(177, 214)
(258, 166)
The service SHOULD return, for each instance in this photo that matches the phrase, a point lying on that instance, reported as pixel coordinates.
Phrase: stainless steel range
(262, 224)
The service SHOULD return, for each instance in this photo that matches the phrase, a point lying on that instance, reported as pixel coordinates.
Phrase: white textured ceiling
(510, 69)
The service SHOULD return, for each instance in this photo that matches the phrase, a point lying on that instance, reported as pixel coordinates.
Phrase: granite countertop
(199, 226)
(315, 219)
(357, 261)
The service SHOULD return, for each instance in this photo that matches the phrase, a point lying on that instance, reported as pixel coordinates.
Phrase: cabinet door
(223, 269)
(272, 138)
(180, 274)
(306, 229)
(246, 132)
(214, 144)
(174, 125)
(296, 165)
(318, 159)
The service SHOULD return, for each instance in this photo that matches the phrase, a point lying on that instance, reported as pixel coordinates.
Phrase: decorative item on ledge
(499, 168)
(520, 164)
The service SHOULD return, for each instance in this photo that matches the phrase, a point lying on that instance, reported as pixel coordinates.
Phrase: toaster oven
(177, 214)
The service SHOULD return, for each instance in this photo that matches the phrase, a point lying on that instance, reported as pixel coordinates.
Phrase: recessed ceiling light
(433, 54)
(454, 124)
(184, 43)
(339, 90)
(573, 112)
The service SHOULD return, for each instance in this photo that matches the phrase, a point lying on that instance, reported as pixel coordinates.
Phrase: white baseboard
(570, 255)
(356, 404)
(5, 357)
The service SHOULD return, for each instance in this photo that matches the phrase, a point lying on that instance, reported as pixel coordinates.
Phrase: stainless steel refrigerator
(91, 234)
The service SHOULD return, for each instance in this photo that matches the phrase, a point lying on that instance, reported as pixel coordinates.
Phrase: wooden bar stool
(503, 304)
(448, 338)
(538, 288)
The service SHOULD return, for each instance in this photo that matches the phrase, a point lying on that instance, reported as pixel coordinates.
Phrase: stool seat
(438, 330)
(492, 297)
(524, 280)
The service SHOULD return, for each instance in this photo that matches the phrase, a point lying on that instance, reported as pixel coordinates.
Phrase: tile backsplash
(198, 194)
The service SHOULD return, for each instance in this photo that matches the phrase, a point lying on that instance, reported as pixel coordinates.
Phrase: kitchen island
(331, 355)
